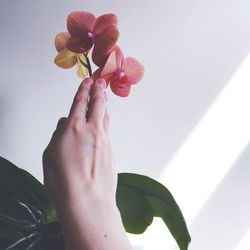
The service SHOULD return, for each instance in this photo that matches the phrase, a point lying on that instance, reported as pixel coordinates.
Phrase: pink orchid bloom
(121, 72)
(87, 31)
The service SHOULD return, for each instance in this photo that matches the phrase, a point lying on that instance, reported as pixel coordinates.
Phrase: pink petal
(133, 69)
(79, 45)
(119, 57)
(97, 74)
(80, 22)
(120, 89)
(104, 21)
(114, 62)
(98, 57)
(106, 40)
(61, 40)
(110, 66)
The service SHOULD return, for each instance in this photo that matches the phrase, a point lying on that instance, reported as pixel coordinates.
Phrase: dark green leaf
(20, 184)
(139, 199)
(161, 202)
(135, 210)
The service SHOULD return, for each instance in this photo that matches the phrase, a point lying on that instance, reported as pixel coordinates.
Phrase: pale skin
(81, 176)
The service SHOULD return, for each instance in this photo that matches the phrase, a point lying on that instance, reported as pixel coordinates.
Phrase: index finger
(80, 102)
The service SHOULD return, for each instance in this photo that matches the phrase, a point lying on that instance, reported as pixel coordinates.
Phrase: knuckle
(99, 98)
(106, 119)
(81, 99)
(75, 124)
(85, 89)
(96, 131)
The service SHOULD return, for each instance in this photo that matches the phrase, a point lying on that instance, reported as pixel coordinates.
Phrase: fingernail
(101, 81)
(88, 81)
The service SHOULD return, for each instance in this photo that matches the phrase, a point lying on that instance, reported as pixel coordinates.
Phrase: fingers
(98, 103)
(80, 103)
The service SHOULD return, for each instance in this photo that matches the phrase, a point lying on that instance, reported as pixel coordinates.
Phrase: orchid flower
(87, 34)
(66, 58)
(121, 72)
(87, 31)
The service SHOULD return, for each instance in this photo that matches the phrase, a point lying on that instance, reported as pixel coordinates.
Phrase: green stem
(88, 64)
(83, 63)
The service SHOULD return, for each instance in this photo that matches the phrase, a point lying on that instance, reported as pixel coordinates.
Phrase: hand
(79, 159)
(81, 176)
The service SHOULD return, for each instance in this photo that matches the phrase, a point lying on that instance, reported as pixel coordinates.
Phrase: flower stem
(88, 64)
(83, 63)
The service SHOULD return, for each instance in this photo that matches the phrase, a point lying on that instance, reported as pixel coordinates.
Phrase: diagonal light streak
(245, 242)
(207, 154)
(213, 146)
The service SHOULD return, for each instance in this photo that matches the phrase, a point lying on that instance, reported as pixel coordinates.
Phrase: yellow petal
(90, 52)
(81, 71)
(66, 59)
(61, 40)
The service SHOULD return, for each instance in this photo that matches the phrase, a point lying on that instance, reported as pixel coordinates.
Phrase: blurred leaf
(9, 233)
(20, 184)
(139, 199)
(4, 243)
(156, 197)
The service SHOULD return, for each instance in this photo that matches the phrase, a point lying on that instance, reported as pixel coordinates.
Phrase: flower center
(92, 36)
(120, 77)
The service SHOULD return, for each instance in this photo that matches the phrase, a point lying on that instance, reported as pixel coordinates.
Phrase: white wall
(190, 49)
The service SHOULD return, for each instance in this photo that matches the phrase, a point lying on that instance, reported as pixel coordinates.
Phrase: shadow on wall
(225, 218)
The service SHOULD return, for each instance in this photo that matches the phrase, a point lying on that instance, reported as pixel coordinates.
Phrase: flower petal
(114, 62)
(97, 74)
(61, 40)
(133, 69)
(104, 21)
(120, 89)
(65, 59)
(110, 66)
(119, 57)
(81, 70)
(79, 45)
(80, 23)
(106, 40)
(98, 57)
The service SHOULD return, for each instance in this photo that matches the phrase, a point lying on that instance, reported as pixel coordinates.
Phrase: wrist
(85, 208)
(98, 226)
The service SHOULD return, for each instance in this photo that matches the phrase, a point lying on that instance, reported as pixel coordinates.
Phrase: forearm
(93, 228)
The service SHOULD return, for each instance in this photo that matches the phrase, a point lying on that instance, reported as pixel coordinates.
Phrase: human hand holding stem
(79, 169)
(81, 176)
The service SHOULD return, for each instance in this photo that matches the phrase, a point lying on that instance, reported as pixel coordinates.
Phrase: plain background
(190, 49)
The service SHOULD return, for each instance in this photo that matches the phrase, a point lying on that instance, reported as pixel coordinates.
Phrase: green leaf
(139, 199)
(23, 186)
(135, 210)
(156, 199)
(4, 243)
